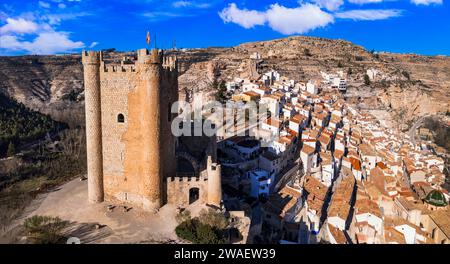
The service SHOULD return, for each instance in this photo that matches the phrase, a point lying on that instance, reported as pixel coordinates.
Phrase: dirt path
(93, 223)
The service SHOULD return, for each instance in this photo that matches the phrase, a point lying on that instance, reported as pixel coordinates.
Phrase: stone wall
(178, 189)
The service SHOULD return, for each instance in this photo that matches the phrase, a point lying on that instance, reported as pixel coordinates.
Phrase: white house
(312, 88)
(308, 157)
(260, 181)
(273, 104)
(249, 86)
(270, 161)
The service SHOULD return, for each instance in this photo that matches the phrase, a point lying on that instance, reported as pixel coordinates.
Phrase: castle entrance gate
(194, 194)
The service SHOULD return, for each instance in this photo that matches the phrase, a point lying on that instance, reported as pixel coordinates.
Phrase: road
(412, 131)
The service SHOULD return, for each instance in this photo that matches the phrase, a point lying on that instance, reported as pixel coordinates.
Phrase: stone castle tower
(130, 148)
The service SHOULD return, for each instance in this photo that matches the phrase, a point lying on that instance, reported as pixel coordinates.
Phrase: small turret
(146, 57)
(214, 183)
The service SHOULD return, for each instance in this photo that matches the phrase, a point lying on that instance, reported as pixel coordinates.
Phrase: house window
(120, 118)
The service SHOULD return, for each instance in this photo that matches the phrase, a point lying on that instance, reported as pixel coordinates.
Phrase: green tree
(366, 79)
(197, 232)
(349, 71)
(11, 149)
(221, 94)
(339, 65)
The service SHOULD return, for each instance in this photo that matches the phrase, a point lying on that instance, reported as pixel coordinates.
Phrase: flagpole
(148, 40)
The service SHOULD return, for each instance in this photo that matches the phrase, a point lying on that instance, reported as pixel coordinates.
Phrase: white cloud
(243, 17)
(181, 4)
(36, 32)
(362, 2)
(161, 15)
(331, 5)
(44, 43)
(55, 19)
(44, 4)
(93, 44)
(19, 26)
(285, 20)
(191, 4)
(427, 2)
(369, 14)
(297, 20)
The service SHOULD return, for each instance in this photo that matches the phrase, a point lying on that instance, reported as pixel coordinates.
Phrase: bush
(11, 149)
(213, 218)
(199, 233)
(366, 79)
(44, 229)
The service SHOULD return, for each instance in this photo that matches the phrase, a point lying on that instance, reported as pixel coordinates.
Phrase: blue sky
(63, 26)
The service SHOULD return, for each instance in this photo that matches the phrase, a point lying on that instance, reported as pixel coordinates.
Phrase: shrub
(44, 229)
(11, 149)
(212, 218)
(197, 232)
(366, 79)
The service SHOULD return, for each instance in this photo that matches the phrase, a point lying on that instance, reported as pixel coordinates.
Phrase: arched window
(120, 118)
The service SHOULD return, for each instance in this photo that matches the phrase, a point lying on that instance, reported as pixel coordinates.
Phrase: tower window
(120, 118)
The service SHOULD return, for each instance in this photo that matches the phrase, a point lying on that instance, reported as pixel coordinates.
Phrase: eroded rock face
(44, 83)
(421, 84)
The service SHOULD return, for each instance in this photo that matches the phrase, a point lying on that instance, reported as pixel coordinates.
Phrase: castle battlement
(144, 56)
(119, 68)
(91, 57)
(170, 63)
(199, 178)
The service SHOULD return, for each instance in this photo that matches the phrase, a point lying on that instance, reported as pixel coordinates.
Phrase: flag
(148, 38)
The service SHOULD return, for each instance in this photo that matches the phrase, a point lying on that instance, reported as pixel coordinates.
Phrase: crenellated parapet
(91, 57)
(144, 56)
(119, 68)
(189, 178)
(170, 63)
